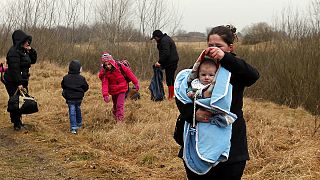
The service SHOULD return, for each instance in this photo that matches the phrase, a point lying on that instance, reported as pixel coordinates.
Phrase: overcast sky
(200, 14)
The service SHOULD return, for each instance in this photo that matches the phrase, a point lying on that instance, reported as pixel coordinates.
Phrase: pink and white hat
(106, 56)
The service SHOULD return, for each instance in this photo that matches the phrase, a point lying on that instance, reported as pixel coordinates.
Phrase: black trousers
(223, 171)
(170, 73)
(14, 116)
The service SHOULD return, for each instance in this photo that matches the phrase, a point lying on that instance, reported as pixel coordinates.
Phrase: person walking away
(20, 57)
(74, 87)
(168, 58)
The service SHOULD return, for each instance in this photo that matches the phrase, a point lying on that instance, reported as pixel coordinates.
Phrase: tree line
(67, 29)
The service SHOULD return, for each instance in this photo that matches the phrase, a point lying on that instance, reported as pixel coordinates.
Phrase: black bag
(156, 86)
(178, 131)
(132, 93)
(22, 102)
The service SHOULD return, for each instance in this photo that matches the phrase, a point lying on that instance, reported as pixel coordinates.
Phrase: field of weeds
(281, 140)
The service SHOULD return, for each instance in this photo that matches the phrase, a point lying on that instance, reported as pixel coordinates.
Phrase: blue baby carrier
(206, 144)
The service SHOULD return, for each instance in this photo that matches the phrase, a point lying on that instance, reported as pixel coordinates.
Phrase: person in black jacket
(74, 86)
(19, 59)
(168, 58)
(220, 47)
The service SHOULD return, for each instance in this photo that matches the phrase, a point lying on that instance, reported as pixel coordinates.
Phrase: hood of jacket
(19, 37)
(74, 67)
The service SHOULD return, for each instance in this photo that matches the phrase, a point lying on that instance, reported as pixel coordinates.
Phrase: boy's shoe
(73, 131)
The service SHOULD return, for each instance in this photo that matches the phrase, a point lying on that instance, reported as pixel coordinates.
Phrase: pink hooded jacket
(113, 82)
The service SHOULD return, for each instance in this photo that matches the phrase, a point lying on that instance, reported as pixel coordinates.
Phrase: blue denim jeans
(74, 114)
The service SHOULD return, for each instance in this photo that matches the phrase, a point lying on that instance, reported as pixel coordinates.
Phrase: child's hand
(206, 93)
(137, 87)
(106, 99)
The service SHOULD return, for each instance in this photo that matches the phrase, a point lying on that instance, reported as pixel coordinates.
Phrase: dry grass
(281, 145)
(192, 45)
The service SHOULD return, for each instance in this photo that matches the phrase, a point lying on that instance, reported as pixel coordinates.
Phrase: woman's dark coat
(19, 60)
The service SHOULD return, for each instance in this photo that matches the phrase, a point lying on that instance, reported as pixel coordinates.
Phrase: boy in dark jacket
(74, 86)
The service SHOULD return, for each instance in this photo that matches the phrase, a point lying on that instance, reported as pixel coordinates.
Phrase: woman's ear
(231, 48)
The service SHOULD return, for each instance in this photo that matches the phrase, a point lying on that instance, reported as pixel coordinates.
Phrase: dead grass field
(280, 139)
(194, 45)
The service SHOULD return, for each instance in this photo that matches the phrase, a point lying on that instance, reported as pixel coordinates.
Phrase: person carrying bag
(19, 59)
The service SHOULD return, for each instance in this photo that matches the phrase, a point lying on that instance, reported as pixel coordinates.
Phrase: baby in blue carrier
(200, 85)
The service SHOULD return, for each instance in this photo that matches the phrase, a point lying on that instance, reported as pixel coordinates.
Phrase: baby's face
(207, 73)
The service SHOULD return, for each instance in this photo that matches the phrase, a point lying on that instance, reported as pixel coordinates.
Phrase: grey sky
(200, 14)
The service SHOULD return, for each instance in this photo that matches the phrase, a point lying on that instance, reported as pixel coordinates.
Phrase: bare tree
(142, 13)
(315, 14)
(157, 14)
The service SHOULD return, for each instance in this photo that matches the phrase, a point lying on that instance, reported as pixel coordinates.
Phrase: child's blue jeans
(74, 114)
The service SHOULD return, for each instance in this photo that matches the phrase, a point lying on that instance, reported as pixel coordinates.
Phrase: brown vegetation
(280, 139)
(289, 71)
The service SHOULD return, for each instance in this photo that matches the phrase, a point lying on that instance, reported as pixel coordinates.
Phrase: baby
(205, 78)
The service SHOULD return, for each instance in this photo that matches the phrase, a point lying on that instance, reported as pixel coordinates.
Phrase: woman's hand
(203, 115)
(214, 52)
(20, 87)
(157, 64)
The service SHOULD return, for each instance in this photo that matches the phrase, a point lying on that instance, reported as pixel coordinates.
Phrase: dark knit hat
(156, 33)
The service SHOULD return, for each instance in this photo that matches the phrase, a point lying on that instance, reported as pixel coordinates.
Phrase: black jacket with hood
(242, 75)
(168, 54)
(73, 84)
(19, 60)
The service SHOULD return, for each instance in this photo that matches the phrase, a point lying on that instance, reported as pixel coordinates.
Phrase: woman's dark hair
(227, 33)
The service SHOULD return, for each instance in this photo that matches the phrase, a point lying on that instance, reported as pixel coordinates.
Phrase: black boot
(16, 126)
(21, 124)
(16, 120)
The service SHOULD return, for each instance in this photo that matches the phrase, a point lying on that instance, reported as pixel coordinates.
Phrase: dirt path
(20, 159)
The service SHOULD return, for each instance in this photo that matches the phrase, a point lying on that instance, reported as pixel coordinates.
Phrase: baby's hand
(206, 94)
(190, 94)
(203, 115)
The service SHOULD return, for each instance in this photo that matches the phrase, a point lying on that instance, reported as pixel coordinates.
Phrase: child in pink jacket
(115, 84)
